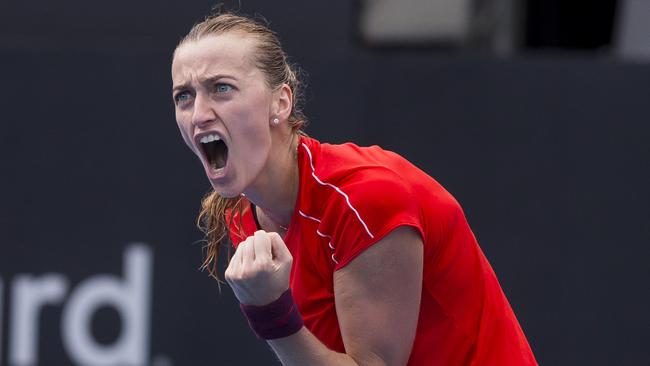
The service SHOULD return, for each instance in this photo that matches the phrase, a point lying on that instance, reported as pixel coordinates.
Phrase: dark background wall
(547, 153)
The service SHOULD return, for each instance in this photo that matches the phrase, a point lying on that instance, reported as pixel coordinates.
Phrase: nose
(203, 113)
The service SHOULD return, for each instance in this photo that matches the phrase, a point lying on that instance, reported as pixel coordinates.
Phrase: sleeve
(365, 211)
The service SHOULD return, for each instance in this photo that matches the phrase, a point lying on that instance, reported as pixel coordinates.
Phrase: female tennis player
(345, 255)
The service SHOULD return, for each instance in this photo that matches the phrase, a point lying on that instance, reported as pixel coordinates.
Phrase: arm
(377, 303)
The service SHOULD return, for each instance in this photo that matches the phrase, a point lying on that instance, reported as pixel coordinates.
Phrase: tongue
(219, 163)
(219, 155)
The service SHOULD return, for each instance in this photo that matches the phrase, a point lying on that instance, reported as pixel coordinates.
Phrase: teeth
(210, 138)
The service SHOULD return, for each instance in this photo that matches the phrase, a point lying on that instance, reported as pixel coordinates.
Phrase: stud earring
(276, 121)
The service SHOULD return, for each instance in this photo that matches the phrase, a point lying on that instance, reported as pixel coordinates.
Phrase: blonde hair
(270, 58)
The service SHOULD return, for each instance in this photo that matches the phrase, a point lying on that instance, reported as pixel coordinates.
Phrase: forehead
(228, 53)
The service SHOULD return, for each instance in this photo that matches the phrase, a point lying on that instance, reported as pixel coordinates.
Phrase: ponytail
(216, 217)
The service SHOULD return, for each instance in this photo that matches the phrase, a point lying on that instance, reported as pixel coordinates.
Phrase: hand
(259, 271)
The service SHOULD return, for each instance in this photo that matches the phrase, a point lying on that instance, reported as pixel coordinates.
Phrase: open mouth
(215, 151)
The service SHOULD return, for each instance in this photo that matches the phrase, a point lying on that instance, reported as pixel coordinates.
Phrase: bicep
(378, 299)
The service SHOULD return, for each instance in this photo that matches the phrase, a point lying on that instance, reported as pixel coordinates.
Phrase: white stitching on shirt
(308, 217)
(326, 237)
(321, 234)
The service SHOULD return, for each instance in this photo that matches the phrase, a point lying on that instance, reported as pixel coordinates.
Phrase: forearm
(303, 348)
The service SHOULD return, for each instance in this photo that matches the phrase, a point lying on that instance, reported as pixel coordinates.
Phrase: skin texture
(218, 89)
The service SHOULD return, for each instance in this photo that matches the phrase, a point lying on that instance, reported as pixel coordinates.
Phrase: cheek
(254, 122)
(252, 141)
(249, 126)
(257, 133)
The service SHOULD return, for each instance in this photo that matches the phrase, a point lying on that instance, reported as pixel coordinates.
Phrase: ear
(282, 102)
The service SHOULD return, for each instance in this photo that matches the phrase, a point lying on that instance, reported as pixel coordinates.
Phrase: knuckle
(236, 277)
(263, 266)
(246, 274)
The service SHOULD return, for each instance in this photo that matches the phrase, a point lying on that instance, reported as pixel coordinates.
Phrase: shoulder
(379, 191)
(368, 204)
(362, 185)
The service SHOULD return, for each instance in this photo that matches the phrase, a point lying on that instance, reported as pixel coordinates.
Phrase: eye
(223, 88)
(182, 97)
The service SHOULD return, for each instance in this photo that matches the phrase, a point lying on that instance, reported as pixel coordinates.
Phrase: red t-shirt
(349, 198)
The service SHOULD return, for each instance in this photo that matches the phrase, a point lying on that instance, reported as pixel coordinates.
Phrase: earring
(276, 121)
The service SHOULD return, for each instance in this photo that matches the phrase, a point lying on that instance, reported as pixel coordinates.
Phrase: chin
(225, 192)
(228, 194)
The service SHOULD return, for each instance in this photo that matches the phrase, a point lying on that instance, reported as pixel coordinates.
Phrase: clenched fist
(259, 271)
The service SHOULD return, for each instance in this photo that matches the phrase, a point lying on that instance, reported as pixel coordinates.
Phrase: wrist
(278, 319)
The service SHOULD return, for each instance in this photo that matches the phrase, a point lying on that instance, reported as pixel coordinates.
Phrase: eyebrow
(208, 79)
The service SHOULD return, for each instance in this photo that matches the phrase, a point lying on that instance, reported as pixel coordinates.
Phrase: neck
(276, 190)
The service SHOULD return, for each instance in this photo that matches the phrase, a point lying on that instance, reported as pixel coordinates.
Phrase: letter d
(130, 297)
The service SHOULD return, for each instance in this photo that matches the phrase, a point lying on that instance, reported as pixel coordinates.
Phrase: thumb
(279, 249)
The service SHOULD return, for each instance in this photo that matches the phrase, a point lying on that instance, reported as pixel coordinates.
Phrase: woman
(344, 255)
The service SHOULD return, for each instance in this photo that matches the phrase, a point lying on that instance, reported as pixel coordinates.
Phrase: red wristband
(278, 319)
